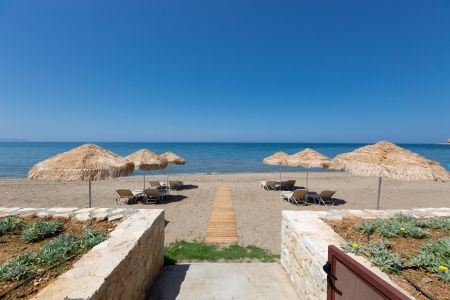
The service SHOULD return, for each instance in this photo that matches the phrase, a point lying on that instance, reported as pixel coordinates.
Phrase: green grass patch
(182, 251)
(40, 230)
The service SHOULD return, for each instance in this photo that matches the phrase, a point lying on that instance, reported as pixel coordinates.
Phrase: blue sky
(291, 71)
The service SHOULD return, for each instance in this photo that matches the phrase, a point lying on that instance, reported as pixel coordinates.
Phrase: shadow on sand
(189, 187)
(168, 284)
(339, 201)
(173, 198)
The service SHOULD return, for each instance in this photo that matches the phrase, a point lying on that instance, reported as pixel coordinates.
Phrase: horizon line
(204, 142)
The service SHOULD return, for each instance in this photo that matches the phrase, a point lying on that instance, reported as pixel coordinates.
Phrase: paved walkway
(223, 281)
(222, 224)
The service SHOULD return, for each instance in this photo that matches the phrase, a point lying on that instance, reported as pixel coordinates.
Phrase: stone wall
(122, 267)
(304, 245)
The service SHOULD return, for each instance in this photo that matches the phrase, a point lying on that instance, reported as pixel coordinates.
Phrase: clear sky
(292, 71)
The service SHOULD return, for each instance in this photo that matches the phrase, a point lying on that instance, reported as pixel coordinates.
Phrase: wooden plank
(222, 223)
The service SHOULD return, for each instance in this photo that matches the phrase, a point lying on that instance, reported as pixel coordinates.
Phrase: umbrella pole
(144, 181)
(307, 179)
(90, 194)
(379, 193)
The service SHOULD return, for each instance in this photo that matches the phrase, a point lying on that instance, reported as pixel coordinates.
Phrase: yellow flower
(402, 228)
(355, 245)
(443, 268)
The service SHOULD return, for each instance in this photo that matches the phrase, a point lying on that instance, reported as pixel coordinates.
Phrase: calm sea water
(204, 158)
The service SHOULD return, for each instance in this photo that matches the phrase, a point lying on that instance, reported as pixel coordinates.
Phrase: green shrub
(434, 257)
(10, 225)
(16, 269)
(56, 250)
(369, 226)
(40, 230)
(404, 218)
(353, 247)
(400, 225)
(382, 257)
(435, 223)
(52, 253)
(89, 238)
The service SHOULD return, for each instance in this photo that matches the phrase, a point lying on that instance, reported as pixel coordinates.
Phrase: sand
(258, 212)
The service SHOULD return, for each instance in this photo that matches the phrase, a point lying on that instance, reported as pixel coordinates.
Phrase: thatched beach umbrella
(173, 159)
(385, 159)
(87, 162)
(307, 159)
(276, 159)
(146, 160)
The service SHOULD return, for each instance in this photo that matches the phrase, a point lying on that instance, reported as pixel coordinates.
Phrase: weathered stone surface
(10, 211)
(99, 216)
(82, 217)
(43, 214)
(60, 210)
(84, 210)
(115, 217)
(24, 212)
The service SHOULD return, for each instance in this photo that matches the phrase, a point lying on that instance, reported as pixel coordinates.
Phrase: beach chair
(126, 197)
(299, 196)
(175, 185)
(289, 185)
(154, 184)
(326, 197)
(153, 196)
(271, 185)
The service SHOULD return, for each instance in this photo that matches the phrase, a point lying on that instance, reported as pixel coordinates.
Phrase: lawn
(182, 251)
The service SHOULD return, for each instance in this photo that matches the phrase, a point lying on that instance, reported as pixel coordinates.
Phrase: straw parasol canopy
(172, 158)
(385, 159)
(308, 158)
(277, 159)
(147, 160)
(86, 162)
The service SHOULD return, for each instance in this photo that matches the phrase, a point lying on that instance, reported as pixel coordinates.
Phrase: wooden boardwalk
(222, 223)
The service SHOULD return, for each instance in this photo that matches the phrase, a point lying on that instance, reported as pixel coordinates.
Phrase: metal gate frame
(370, 278)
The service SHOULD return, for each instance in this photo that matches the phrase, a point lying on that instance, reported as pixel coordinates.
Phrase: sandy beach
(258, 212)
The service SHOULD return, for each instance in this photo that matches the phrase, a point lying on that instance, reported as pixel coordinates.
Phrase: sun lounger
(288, 185)
(175, 185)
(126, 197)
(154, 184)
(271, 185)
(326, 197)
(153, 196)
(296, 197)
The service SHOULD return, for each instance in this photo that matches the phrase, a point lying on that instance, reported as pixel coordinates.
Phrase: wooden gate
(349, 280)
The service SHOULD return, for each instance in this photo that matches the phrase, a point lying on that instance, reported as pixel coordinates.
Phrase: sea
(16, 158)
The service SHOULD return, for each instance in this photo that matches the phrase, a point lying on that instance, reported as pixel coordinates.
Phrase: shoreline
(310, 171)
